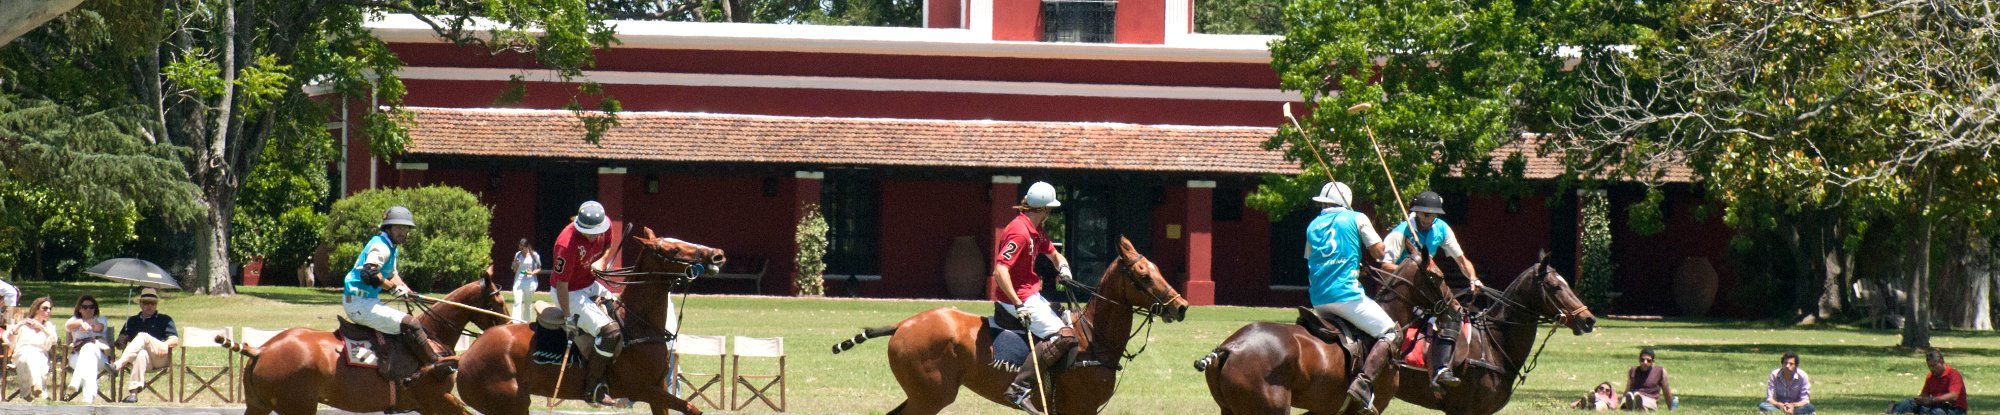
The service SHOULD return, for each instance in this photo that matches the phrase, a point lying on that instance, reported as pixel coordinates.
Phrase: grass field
(1716, 366)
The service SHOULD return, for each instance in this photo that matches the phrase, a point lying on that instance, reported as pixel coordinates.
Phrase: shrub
(812, 252)
(449, 246)
(1594, 286)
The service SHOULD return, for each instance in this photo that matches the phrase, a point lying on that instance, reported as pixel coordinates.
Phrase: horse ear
(648, 232)
(1125, 249)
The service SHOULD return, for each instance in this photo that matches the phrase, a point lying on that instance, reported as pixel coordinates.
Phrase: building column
(411, 175)
(806, 186)
(1200, 240)
(611, 194)
(1005, 191)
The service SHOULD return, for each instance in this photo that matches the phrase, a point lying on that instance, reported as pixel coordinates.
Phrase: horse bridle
(1562, 319)
(1150, 311)
(693, 270)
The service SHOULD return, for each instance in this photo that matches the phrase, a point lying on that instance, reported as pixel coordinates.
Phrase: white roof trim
(399, 28)
(865, 84)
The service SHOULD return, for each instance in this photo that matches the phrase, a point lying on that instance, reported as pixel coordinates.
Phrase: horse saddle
(550, 341)
(365, 347)
(1417, 344)
(1010, 339)
(1338, 332)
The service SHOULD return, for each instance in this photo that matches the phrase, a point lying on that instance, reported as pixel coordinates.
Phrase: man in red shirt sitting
(1943, 394)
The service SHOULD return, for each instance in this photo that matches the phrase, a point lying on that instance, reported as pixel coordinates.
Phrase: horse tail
(247, 350)
(1212, 359)
(866, 333)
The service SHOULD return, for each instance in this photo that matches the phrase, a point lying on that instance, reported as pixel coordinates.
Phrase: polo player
(375, 270)
(1435, 237)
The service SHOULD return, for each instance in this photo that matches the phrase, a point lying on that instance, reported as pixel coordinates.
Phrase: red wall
(944, 14)
(1502, 244)
(1141, 21)
(727, 212)
(919, 220)
(1647, 264)
(1243, 259)
(1017, 20)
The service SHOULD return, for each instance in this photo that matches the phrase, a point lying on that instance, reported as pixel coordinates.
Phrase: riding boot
(608, 340)
(1050, 354)
(418, 341)
(1441, 353)
(1381, 358)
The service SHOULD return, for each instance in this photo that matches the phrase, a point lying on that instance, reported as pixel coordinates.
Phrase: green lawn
(1717, 366)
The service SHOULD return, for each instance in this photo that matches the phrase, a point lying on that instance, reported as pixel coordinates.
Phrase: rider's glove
(403, 291)
(1022, 313)
(1063, 271)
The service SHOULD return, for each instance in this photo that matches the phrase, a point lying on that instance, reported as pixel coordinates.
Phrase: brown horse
(300, 368)
(496, 376)
(937, 351)
(1269, 368)
(1497, 349)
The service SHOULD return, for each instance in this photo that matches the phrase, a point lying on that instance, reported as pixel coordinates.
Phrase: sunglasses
(89, 306)
(1646, 359)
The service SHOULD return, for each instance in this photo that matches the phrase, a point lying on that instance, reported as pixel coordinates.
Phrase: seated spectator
(1943, 394)
(146, 338)
(89, 346)
(1788, 390)
(1603, 398)
(1646, 385)
(32, 338)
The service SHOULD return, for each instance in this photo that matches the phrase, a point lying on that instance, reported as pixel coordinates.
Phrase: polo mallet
(1309, 145)
(1360, 109)
(468, 307)
(560, 372)
(1035, 364)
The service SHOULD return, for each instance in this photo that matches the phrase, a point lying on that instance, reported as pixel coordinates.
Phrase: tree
(1855, 113)
(222, 79)
(1240, 17)
(1449, 82)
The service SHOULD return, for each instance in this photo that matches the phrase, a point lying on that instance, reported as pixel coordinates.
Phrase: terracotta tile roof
(736, 138)
(1550, 165)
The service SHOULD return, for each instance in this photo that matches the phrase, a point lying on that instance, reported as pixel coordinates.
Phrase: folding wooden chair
(153, 376)
(216, 379)
(107, 380)
(253, 337)
(757, 347)
(692, 345)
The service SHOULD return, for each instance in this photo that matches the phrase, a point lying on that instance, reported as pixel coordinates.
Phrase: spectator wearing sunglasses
(90, 343)
(1646, 385)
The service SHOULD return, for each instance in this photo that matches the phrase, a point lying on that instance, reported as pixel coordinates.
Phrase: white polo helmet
(1041, 195)
(590, 218)
(1335, 193)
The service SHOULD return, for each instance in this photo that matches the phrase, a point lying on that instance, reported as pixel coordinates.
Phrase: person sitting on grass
(1788, 390)
(1943, 393)
(1646, 385)
(1603, 398)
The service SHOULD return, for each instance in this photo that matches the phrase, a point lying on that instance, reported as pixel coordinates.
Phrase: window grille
(1087, 21)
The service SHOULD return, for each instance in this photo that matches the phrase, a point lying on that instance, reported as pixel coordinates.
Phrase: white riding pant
(586, 311)
(372, 313)
(1042, 318)
(1364, 314)
(525, 286)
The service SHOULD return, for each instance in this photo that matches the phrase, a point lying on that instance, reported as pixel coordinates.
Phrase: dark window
(1088, 21)
(1227, 204)
(851, 203)
(1288, 248)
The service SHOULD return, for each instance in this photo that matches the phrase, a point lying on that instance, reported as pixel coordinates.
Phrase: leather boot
(1381, 358)
(418, 341)
(608, 341)
(1050, 354)
(1440, 354)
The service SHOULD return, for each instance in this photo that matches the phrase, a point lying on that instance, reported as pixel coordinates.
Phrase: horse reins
(1562, 319)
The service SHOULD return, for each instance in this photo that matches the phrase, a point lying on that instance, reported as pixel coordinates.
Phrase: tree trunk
(1917, 332)
(217, 176)
(1962, 302)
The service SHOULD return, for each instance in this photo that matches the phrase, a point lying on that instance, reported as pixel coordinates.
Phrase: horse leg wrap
(609, 339)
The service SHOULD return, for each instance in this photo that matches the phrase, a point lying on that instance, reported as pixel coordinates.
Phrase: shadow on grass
(1844, 404)
(1820, 350)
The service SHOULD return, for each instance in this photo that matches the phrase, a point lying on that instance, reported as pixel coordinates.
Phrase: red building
(908, 138)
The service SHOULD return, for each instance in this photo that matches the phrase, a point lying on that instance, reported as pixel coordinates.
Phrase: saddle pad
(546, 347)
(1010, 348)
(1416, 349)
(359, 354)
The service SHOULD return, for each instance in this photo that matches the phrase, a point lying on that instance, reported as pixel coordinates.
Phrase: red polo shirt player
(1017, 291)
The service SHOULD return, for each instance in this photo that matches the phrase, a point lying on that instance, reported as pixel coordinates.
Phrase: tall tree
(221, 79)
(1860, 110)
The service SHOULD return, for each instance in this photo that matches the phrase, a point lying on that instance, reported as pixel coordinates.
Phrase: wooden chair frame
(773, 347)
(692, 345)
(206, 377)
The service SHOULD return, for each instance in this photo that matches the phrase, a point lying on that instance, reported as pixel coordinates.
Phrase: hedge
(450, 245)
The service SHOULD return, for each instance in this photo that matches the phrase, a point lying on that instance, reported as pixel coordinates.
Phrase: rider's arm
(1452, 249)
(1392, 248)
(1368, 238)
(1006, 285)
(1062, 264)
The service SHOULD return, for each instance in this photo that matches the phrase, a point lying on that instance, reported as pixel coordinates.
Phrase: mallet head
(1360, 108)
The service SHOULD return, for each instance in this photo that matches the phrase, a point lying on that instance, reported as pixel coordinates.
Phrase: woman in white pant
(527, 268)
(90, 342)
(32, 339)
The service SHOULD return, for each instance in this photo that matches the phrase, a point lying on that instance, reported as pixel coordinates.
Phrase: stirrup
(1358, 395)
(1022, 396)
(1442, 378)
(600, 395)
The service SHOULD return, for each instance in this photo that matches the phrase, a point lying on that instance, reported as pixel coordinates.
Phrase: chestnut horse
(1269, 367)
(300, 368)
(936, 351)
(496, 376)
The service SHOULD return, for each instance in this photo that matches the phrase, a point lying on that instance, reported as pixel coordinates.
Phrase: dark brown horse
(1269, 367)
(496, 376)
(936, 351)
(300, 368)
(1499, 348)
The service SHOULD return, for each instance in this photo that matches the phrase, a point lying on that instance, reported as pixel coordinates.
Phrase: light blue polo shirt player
(1440, 236)
(376, 246)
(1334, 241)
